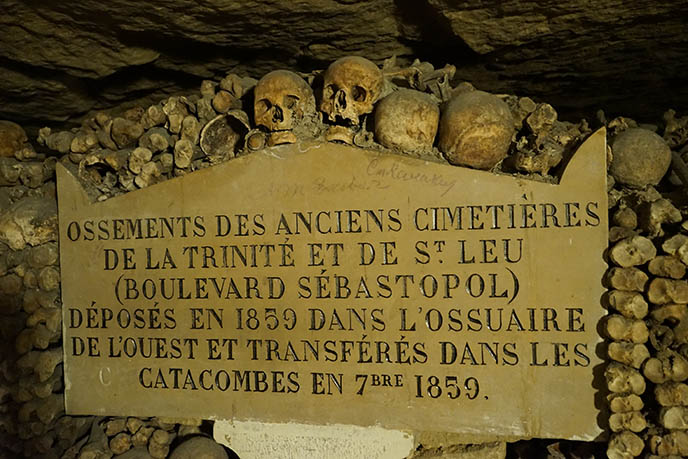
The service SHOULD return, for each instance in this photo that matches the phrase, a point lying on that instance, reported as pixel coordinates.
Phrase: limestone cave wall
(60, 60)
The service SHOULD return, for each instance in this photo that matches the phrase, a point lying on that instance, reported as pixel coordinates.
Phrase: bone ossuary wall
(140, 143)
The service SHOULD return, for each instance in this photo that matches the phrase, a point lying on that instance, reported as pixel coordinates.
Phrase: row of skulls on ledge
(473, 128)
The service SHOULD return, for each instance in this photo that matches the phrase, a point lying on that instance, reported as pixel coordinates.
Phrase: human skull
(12, 137)
(352, 86)
(640, 157)
(475, 130)
(282, 99)
(220, 136)
(407, 120)
(540, 158)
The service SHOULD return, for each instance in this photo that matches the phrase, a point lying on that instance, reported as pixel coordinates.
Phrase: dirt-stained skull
(407, 120)
(282, 99)
(475, 130)
(352, 86)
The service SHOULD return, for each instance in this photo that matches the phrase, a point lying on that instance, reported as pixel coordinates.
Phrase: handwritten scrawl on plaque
(322, 283)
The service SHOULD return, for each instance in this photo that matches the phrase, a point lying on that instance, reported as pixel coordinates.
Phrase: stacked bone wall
(648, 297)
(118, 152)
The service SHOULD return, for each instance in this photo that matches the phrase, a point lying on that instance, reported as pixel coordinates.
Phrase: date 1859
(435, 387)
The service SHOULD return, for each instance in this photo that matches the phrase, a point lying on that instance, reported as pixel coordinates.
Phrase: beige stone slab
(378, 313)
(258, 440)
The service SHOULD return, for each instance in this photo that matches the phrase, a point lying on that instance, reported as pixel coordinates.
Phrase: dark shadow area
(559, 449)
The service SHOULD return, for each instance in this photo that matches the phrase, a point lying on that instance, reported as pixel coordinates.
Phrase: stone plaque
(325, 284)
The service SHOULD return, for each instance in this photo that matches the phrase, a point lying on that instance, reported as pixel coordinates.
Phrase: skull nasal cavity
(341, 99)
(277, 115)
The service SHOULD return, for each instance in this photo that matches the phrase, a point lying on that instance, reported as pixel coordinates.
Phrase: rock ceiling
(59, 60)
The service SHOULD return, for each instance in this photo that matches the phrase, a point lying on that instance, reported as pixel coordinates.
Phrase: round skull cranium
(475, 130)
(352, 86)
(407, 120)
(282, 99)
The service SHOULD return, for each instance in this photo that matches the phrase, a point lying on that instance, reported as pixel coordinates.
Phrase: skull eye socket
(291, 101)
(359, 94)
(262, 106)
(330, 91)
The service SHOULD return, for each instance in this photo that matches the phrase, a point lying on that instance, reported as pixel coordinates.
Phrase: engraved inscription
(328, 284)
